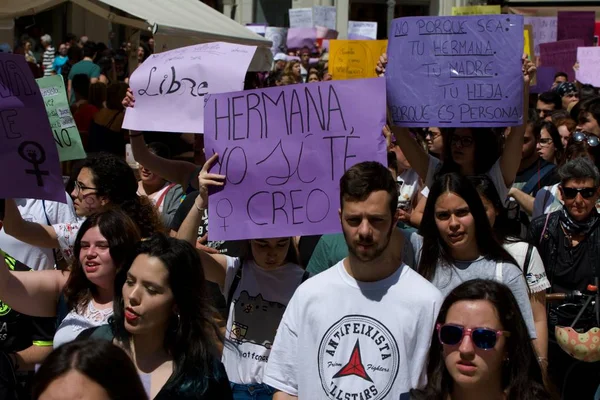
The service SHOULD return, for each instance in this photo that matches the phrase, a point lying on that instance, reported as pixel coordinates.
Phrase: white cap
(280, 57)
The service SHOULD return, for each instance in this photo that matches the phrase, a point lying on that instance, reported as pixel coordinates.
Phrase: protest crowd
(431, 247)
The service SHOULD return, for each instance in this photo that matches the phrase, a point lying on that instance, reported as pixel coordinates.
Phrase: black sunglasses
(581, 136)
(483, 338)
(586, 193)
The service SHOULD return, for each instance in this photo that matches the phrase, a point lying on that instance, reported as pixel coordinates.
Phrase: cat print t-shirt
(256, 309)
(345, 339)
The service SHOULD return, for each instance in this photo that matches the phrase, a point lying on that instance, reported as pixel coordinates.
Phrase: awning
(191, 20)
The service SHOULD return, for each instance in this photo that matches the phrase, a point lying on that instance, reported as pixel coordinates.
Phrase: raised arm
(35, 234)
(415, 154)
(175, 171)
(33, 293)
(511, 156)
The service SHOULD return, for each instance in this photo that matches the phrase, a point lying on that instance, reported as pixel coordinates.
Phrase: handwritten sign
(476, 10)
(354, 59)
(561, 55)
(301, 17)
(170, 88)
(284, 149)
(28, 155)
(325, 16)
(577, 25)
(66, 135)
(298, 38)
(544, 31)
(456, 71)
(544, 79)
(278, 36)
(589, 60)
(359, 30)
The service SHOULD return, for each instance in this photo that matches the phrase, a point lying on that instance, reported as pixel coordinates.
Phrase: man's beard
(372, 253)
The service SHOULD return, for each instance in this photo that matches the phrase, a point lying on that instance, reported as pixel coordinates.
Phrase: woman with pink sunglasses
(481, 348)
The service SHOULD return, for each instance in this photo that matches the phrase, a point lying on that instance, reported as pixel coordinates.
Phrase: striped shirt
(48, 60)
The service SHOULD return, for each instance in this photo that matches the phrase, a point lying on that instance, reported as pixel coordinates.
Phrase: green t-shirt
(84, 67)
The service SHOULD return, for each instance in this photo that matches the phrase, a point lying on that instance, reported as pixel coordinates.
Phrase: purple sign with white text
(462, 71)
(284, 150)
(28, 154)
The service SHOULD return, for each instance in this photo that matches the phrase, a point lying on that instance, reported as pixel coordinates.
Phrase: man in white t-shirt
(361, 329)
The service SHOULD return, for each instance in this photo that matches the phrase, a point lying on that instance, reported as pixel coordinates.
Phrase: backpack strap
(163, 194)
(236, 282)
(527, 259)
(305, 276)
(536, 178)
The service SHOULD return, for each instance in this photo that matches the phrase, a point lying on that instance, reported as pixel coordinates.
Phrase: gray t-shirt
(448, 277)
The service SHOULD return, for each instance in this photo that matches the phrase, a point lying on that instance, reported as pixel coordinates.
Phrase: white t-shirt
(408, 186)
(256, 309)
(345, 339)
(536, 274)
(66, 235)
(32, 210)
(495, 174)
(75, 323)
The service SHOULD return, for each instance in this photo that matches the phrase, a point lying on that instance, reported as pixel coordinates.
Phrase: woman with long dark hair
(90, 369)
(549, 143)
(163, 320)
(83, 296)
(481, 349)
(458, 243)
(103, 181)
(257, 288)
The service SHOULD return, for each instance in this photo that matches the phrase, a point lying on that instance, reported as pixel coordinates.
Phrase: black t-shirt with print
(19, 331)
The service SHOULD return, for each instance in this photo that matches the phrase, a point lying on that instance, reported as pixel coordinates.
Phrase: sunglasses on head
(581, 136)
(586, 193)
(483, 338)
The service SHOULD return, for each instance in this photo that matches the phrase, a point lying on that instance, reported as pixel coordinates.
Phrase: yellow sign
(476, 10)
(355, 59)
(528, 45)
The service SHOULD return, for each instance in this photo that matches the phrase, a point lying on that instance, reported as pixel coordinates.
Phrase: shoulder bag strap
(305, 276)
(536, 178)
(236, 281)
(545, 227)
(527, 259)
(163, 194)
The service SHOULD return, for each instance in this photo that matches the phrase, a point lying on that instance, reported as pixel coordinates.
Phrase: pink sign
(171, 88)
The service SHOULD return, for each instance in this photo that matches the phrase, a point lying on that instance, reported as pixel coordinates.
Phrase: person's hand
(206, 179)
(201, 245)
(403, 215)
(576, 66)
(387, 133)
(129, 100)
(528, 68)
(381, 65)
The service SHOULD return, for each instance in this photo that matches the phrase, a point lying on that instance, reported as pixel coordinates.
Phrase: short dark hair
(563, 74)
(81, 85)
(392, 161)
(75, 54)
(69, 37)
(522, 376)
(100, 361)
(591, 105)
(551, 98)
(89, 49)
(587, 91)
(359, 181)
(579, 168)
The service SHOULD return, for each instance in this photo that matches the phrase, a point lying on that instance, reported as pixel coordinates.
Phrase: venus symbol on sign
(224, 210)
(34, 153)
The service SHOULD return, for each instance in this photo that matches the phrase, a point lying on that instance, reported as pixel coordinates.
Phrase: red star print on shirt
(354, 366)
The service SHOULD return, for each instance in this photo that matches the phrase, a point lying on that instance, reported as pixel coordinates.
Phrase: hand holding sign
(206, 180)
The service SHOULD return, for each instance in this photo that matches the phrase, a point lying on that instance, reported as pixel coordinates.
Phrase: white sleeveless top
(74, 323)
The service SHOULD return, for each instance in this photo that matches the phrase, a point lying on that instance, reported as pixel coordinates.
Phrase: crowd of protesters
(435, 289)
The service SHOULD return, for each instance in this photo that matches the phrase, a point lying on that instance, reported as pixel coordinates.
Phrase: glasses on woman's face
(581, 136)
(464, 141)
(586, 193)
(545, 142)
(483, 338)
(432, 135)
(79, 187)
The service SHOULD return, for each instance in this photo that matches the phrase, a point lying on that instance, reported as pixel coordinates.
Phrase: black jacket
(547, 244)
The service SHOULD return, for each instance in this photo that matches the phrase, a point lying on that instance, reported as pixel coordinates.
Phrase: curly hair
(121, 233)
(115, 180)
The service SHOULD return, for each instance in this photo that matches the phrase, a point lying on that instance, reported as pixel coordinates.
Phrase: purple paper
(284, 149)
(561, 55)
(544, 78)
(544, 31)
(298, 38)
(456, 71)
(577, 25)
(170, 88)
(28, 154)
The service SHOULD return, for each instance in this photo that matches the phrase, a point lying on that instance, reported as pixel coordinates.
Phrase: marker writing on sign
(7, 119)
(13, 82)
(34, 153)
(175, 86)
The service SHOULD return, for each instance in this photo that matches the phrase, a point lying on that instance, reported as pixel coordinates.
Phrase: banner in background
(354, 59)
(544, 31)
(359, 30)
(301, 17)
(561, 55)
(283, 151)
(576, 25)
(476, 10)
(589, 65)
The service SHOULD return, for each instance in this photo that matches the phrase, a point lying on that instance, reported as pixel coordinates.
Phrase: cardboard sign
(301, 17)
(589, 62)
(283, 151)
(28, 154)
(544, 31)
(66, 135)
(577, 25)
(325, 16)
(170, 88)
(358, 30)
(561, 55)
(354, 59)
(476, 10)
(456, 71)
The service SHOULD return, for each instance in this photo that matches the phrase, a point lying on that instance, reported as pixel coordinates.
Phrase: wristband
(200, 210)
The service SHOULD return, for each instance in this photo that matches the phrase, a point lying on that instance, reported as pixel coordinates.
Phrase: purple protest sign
(170, 88)
(544, 78)
(284, 149)
(544, 31)
(561, 55)
(28, 154)
(456, 71)
(298, 38)
(576, 25)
